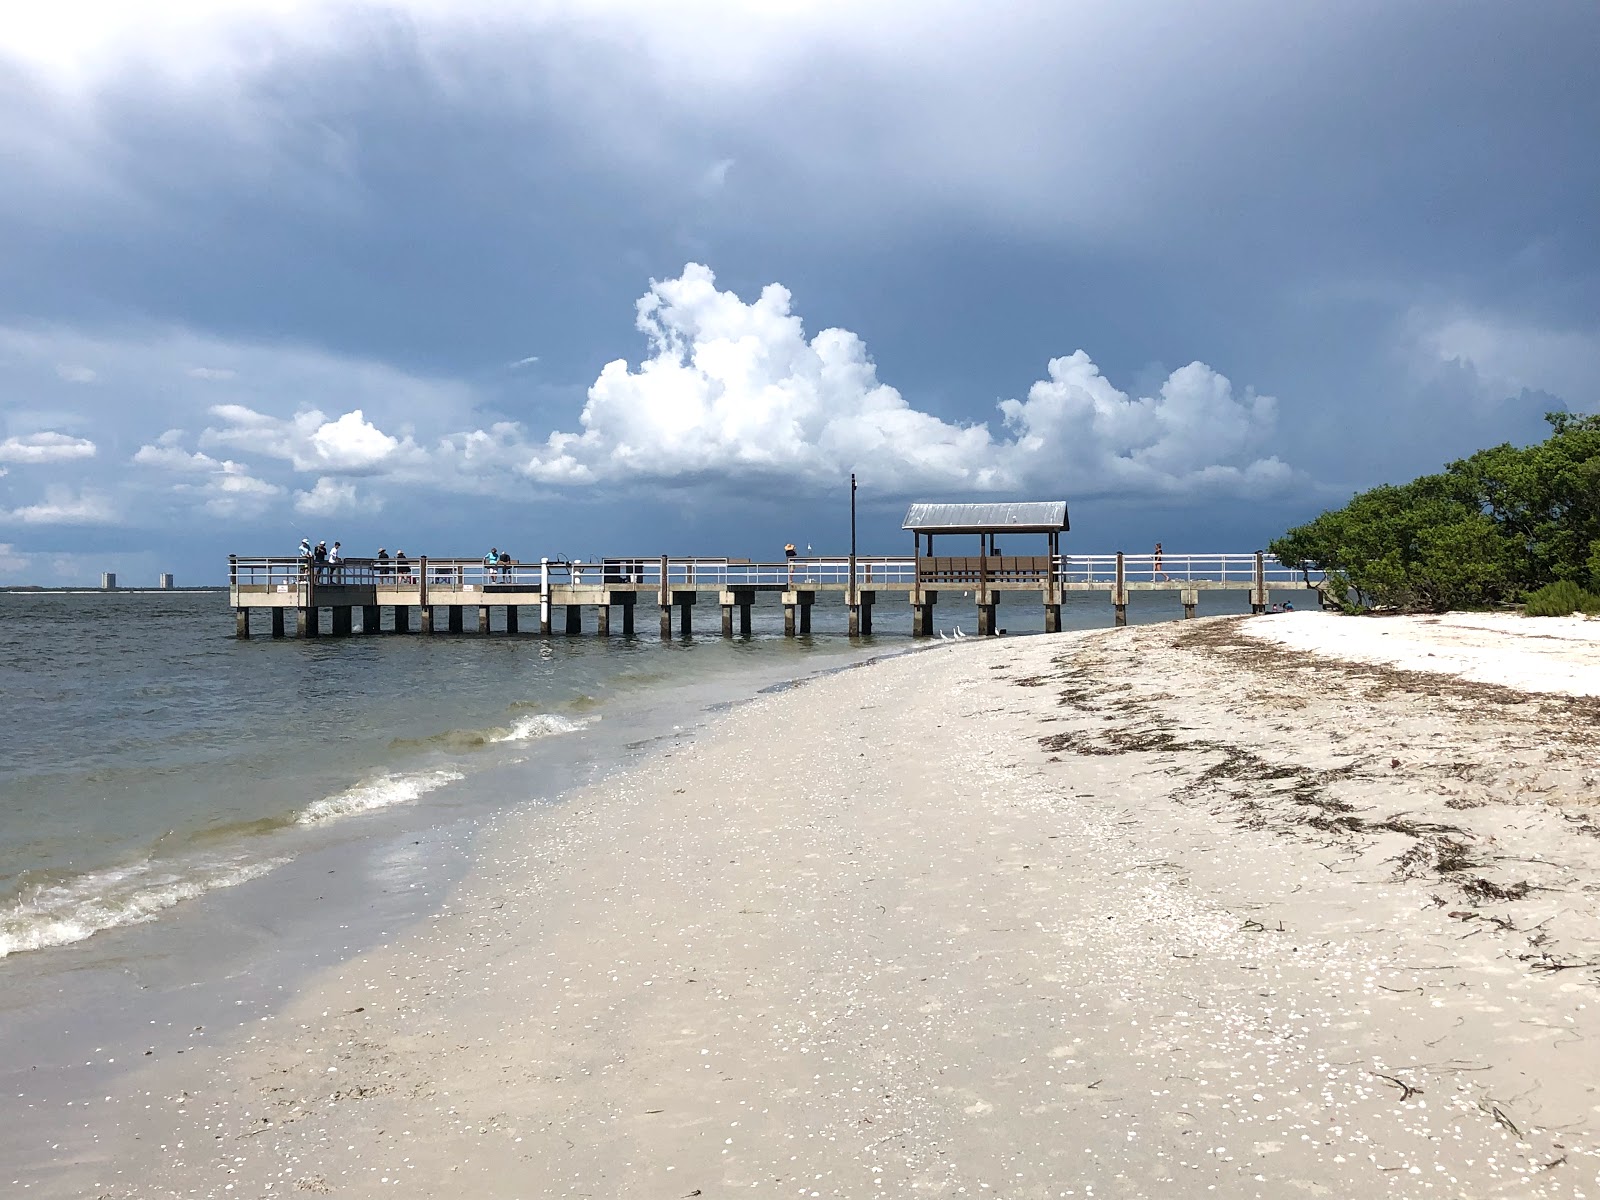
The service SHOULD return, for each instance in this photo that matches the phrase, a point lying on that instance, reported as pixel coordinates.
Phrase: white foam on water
(384, 791)
(540, 725)
(63, 913)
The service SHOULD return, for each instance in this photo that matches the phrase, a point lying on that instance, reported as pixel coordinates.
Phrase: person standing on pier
(788, 557)
(335, 557)
(491, 564)
(1156, 572)
(383, 562)
(319, 560)
(401, 566)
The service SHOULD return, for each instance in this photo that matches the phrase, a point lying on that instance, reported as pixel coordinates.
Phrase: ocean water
(148, 758)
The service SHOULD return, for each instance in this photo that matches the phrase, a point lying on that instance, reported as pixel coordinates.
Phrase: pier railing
(282, 575)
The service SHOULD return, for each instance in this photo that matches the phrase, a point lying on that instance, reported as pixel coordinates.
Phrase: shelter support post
(922, 614)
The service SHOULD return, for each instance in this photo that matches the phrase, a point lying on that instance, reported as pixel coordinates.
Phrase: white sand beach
(1172, 910)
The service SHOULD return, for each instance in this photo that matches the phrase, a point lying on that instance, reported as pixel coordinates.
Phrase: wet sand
(1169, 910)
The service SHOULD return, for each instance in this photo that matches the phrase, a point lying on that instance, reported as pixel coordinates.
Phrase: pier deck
(560, 591)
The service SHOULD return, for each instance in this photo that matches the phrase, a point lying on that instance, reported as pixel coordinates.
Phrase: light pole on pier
(852, 514)
(851, 594)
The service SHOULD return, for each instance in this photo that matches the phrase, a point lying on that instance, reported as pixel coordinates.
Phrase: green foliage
(1489, 528)
(1561, 599)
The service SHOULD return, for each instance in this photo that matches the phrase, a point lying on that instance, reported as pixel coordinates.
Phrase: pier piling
(277, 622)
(241, 624)
(453, 616)
(371, 618)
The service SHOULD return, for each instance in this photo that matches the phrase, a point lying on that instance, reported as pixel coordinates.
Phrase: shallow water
(147, 757)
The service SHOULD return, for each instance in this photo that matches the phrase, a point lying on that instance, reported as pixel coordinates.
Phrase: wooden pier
(457, 595)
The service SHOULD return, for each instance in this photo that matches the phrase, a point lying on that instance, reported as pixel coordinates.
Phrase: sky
(619, 278)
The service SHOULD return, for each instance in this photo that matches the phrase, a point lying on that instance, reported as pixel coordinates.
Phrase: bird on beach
(959, 634)
(942, 637)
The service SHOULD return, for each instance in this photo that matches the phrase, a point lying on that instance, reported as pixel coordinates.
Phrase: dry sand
(1154, 911)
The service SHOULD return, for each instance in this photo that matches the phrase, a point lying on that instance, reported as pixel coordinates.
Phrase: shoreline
(1136, 910)
(213, 965)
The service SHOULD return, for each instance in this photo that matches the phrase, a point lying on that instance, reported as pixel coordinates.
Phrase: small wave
(539, 725)
(79, 907)
(382, 792)
(520, 730)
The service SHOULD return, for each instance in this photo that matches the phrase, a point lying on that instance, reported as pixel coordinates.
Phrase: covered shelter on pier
(989, 571)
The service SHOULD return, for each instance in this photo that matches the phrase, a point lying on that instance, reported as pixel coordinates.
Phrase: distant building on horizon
(108, 581)
(166, 581)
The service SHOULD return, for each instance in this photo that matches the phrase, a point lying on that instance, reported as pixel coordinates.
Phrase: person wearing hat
(788, 557)
(383, 563)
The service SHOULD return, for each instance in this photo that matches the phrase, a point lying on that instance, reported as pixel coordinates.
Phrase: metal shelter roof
(1033, 516)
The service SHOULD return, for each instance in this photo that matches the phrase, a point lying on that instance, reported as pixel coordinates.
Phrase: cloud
(730, 392)
(12, 560)
(738, 390)
(1081, 119)
(64, 506)
(45, 448)
(225, 488)
(219, 374)
(334, 497)
(77, 373)
(232, 492)
(523, 362)
(1510, 357)
(349, 444)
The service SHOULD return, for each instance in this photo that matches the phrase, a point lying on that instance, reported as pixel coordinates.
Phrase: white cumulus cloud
(738, 389)
(334, 497)
(45, 447)
(64, 506)
(349, 444)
